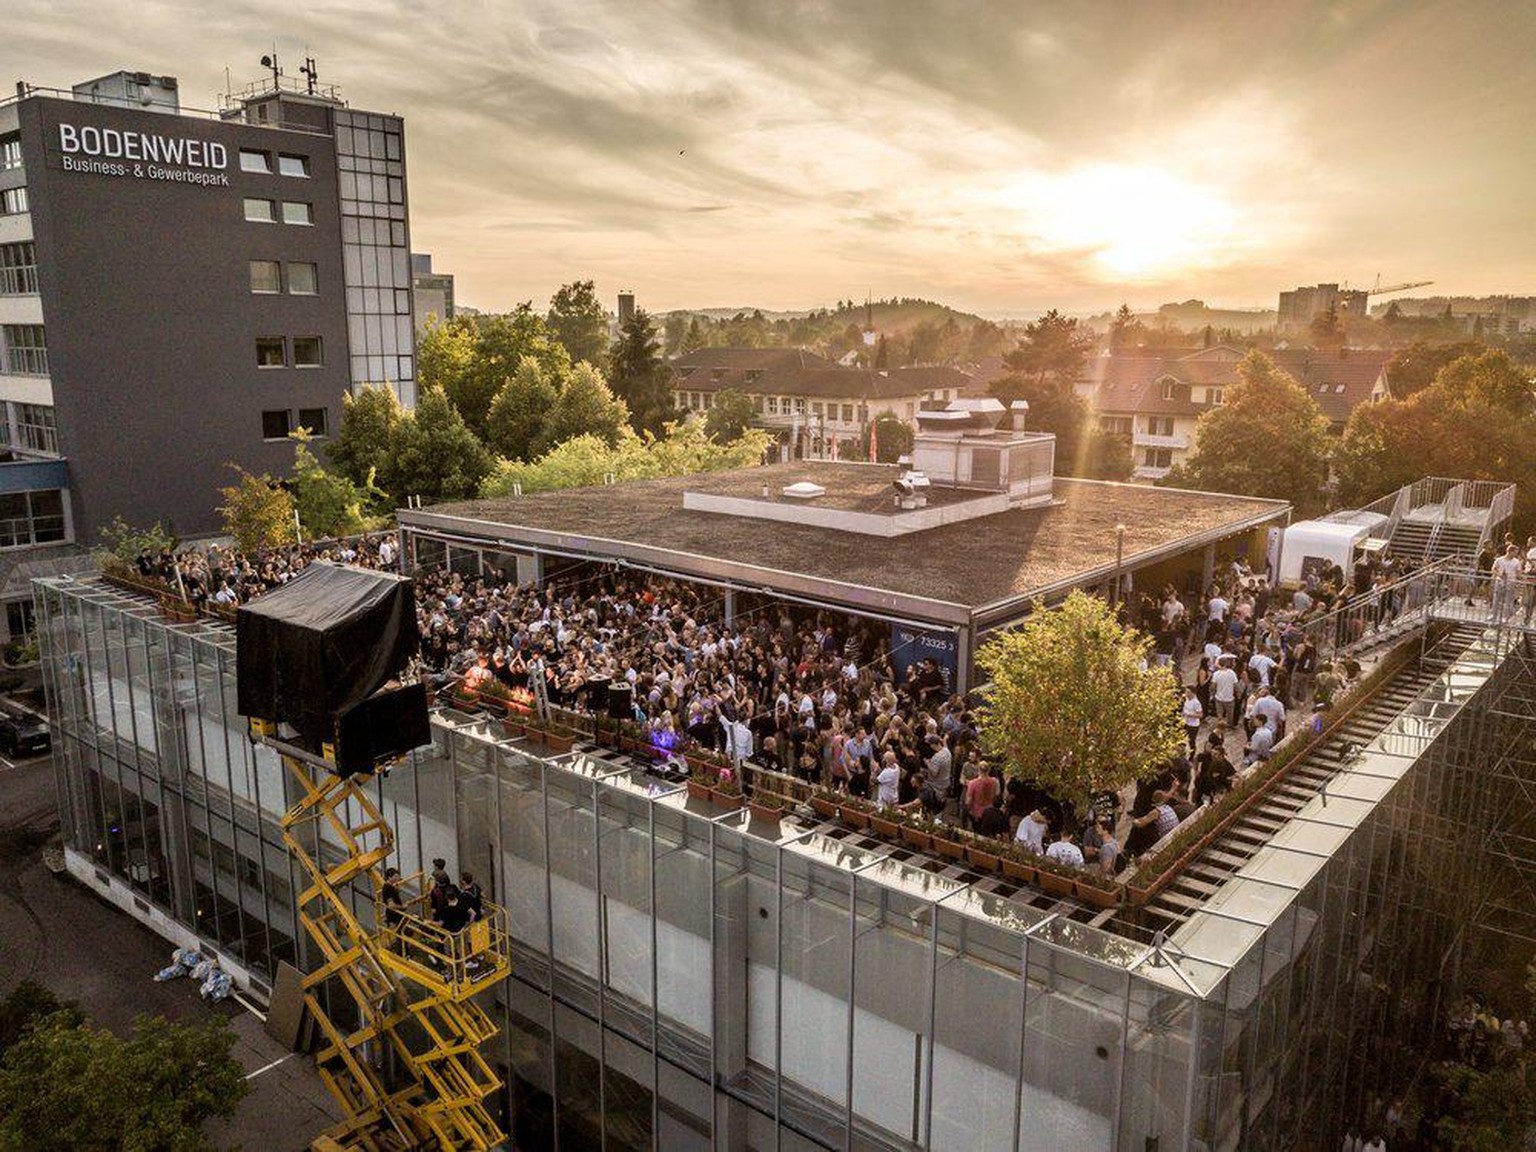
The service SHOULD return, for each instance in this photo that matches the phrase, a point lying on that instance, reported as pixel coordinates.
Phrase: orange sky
(1003, 157)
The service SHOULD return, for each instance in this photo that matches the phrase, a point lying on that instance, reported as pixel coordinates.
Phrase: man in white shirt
(1224, 690)
(1271, 710)
(1194, 713)
(1031, 832)
(1216, 610)
(1260, 744)
(1262, 663)
(888, 782)
(1064, 851)
(1506, 579)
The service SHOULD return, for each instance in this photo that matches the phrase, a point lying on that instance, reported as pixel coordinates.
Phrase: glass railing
(26, 361)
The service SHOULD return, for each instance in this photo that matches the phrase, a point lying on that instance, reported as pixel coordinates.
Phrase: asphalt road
(60, 934)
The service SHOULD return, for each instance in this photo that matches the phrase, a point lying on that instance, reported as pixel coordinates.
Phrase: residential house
(817, 409)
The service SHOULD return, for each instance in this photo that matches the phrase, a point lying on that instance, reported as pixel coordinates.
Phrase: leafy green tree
(66, 1087)
(1107, 456)
(257, 511)
(1494, 1109)
(362, 445)
(1474, 422)
(985, 339)
(731, 416)
(673, 330)
(26, 1006)
(1415, 367)
(585, 407)
(1053, 350)
(329, 504)
(1268, 439)
(478, 356)
(434, 455)
(521, 410)
(124, 542)
(1054, 407)
(578, 321)
(1125, 331)
(588, 460)
(893, 438)
(1326, 329)
(1074, 704)
(640, 377)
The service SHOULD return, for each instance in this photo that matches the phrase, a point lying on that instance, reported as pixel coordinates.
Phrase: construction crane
(1379, 290)
(393, 993)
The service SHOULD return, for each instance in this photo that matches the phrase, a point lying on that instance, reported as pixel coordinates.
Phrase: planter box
(982, 858)
(726, 799)
(700, 790)
(1054, 883)
(513, 728)
(950, 849)
(770, 812)
(917, 837)
(1019, 870)
(1095, 896)
(824, 807)
(885, 826)
(853, 817)
(558, 743)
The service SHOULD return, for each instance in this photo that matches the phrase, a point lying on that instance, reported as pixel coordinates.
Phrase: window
(1338, 389)
(1214, 396)
(815, 407)
(13, 201)
(35, 430)
(253, 161)
(270, 353)
(274, 424)
(314, 420)
(754, 375)
(18, 269)
(1160, 425)
(1119, 425)
(717, 373)
(288, 165)
(260, 211)
(757, 404)
(303, 280)
(773, 405)
(26, 350)
(31, 518)
(18, 618)
(266, 276)
(298, 212)
(800, 405)
(306, 352)
(1170, 390)
(1158, 458)
(847, 413)
(10, 152)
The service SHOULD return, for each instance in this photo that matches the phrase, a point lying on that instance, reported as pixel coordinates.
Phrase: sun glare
(1131, 221)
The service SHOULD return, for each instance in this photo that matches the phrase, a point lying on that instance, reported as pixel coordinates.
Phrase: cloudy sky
(1003, 157)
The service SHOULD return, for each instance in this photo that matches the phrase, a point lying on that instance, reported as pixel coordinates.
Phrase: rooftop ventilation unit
(804, 490)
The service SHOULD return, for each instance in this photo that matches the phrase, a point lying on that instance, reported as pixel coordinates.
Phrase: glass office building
(685, 979)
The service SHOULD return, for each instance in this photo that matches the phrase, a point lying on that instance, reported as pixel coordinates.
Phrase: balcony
(19, 281)
(26, 361)
(1148, 440)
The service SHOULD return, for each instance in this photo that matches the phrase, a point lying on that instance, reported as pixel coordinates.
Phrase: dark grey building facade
(180, 291)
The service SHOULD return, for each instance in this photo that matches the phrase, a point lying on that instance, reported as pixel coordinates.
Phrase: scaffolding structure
(406, 1066)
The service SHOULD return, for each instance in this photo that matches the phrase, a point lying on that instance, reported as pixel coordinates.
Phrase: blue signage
(913, 645)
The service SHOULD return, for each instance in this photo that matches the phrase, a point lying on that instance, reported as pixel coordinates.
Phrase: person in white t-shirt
(1224, 691)
(1031, 832)
(1506, 581)
(1064, 851)
(1194, 713)
(888, 782)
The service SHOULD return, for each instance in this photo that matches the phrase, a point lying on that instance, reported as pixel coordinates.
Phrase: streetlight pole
(1119, 552)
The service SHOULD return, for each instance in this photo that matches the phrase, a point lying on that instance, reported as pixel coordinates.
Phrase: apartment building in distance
(431, 292)
(1300, 306)
(180, 290)
(1156, 400)
(819, 410)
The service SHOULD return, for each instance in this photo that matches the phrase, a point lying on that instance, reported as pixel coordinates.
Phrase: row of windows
(273, 352)
(10, 152)
(252, 160)
(18, 269)
(25, 349)
(1157, 458)
(278, 423)
(260, 211)
(13, 201)
(267, 278)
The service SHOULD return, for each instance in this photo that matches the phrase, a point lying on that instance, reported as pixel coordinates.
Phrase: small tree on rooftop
(257, 511)
(1074, 705)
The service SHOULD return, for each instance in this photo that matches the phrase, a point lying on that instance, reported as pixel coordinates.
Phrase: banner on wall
(911, 645)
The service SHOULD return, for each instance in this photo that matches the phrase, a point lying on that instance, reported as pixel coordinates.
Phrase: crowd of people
(820, 695)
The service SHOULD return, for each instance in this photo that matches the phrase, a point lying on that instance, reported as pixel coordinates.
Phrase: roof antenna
(270, 62)
(311, 72)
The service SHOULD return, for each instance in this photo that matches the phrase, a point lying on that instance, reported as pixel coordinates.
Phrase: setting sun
(1130, 220)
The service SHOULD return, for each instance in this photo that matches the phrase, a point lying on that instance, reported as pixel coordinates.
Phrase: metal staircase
(407, 1070)
(1200, 879)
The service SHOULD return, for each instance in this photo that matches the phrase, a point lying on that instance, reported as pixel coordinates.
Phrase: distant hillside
(892, 317)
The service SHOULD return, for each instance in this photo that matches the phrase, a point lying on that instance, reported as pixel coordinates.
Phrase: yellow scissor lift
(408, 1072)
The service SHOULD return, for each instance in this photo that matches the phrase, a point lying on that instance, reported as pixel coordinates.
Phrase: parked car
(22, 734)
